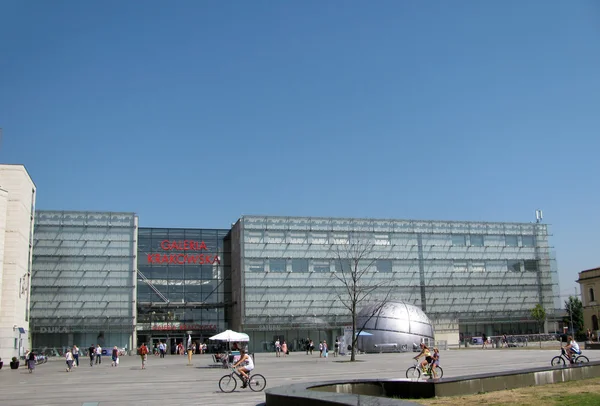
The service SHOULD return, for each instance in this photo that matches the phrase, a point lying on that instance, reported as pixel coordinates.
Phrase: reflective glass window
(459, 240)
(528, 241)
(476, 240)
(514, 266)
(299, 265)
(277, 265)
(384, 265)
(511, 240)
(321, 265)
(531, 266)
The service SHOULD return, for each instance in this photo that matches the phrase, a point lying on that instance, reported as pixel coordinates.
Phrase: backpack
(143, 350)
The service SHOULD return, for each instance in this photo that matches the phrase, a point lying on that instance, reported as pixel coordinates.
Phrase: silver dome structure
(394, 326)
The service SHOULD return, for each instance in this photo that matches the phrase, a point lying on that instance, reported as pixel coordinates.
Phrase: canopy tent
(230, 336)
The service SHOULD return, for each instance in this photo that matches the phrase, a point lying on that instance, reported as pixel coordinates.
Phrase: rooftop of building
(22, 166)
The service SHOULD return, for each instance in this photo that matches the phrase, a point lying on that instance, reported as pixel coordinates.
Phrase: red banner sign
(176, 326)
(181, 259)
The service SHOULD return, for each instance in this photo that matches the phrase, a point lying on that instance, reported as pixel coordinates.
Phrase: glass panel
(511, 240)
(476, 240)
(256, 265)
(528, 241)
(531, 266)
(514, 266)
(382, 239)
(321, 266)
(459, 240)
(343, 265)
(277, 265)
(299, 265)
(478, 266)
(277, 237)
(460, 267)
(384, 265)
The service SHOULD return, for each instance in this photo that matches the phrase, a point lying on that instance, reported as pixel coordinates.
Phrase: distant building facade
(589, 282)
(468, 277)
(17, 205)
(84, 279)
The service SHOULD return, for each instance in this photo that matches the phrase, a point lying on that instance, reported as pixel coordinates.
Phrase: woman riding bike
(247, 366)
(425, 352)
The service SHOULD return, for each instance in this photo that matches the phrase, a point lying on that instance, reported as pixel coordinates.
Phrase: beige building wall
(17, 205)
(589, 283)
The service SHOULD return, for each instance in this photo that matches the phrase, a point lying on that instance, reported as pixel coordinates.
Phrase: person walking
(484, 339)
(31, 362)
(320, 349)
(277, 348)
(284, 349)
(143, 351)
(325, 349)
(98, 355)
(336, 347)
(307, 345)
(92, 354)
(115, 356)
(76, 355)
(69, 358)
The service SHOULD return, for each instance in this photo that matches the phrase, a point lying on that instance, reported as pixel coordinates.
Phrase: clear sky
(193, 113)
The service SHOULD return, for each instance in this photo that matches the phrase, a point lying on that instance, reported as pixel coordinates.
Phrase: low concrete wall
(390, 392)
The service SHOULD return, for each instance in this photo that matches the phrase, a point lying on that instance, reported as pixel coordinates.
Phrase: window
(511, 240)
(254, 236)
(460, 267)
(276, 237)
(319, 238)
(459, 240)
(384, 265)
(528, 241)
(476, 240)
(277, 265)
(343, 265)
(341, 238)
(592, 297)
(321, 265)
(299, 265)
(478, 266)
(256, 265)
(382, 239)
(297, 237)
(531, 266)
(513, 266)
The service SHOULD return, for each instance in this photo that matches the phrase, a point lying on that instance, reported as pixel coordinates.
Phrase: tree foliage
(538, 313)
(574, 308)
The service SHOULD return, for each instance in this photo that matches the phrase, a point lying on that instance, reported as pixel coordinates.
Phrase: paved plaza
(170, 381)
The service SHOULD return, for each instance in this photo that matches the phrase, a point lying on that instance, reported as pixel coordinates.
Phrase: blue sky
(192, 113)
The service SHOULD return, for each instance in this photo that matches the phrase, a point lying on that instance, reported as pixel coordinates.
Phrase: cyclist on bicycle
(572, 348)
(247, 366)
(424, 353)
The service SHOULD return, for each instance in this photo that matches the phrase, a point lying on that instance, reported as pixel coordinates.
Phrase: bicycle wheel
(257, 382)
(557, 361)
(439, 372)
(413, 373)
(227, 383)
(582, 359)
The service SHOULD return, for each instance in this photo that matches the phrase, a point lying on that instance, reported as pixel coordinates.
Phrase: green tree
(574, 309)
(539, 315)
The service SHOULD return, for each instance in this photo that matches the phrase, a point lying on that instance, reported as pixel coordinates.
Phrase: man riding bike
(427, 354)
(247, 365)
(572, 348)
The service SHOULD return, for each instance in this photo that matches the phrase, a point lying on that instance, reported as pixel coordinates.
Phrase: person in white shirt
(248, 365)
(98, 354)
(572, 348)
(277, 348)
(69, 358)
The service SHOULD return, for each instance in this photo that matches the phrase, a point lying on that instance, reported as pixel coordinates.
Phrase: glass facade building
(468, 277)
(83, 279)
(183, 284)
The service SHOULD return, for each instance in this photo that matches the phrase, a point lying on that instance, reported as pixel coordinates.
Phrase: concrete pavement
(170, 381)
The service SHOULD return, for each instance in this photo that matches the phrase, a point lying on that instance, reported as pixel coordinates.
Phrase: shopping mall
(100, 277)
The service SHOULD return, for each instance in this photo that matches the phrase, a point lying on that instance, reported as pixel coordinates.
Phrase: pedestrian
(31, 361)
(115, 356)
(307, 345)
(320, 349)
(76, 355)
(311, 346)
(92, 354)
(484, 339)
(143, 351)
(277, 348)
(336, 347)
(98, 354)
(69, 358)
(284, 349)
(325, 349)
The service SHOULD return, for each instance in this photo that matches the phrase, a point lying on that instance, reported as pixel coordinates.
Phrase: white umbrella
(229, 336)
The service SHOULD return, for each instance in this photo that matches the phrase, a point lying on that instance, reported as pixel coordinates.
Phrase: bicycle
(415, 371)
(562, 359)
(228, 383)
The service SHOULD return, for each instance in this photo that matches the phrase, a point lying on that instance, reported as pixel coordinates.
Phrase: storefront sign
(183, 326)
(181, 259)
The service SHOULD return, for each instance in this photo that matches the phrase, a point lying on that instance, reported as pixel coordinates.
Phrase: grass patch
(575, 393)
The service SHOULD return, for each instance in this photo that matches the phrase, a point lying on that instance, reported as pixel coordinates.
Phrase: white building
(17, 205)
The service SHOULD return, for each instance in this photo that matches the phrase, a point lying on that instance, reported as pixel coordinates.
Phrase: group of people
(431, 360)
(281, 348)
(323, 347)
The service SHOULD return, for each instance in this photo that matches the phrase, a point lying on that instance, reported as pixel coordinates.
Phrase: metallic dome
(395, 326)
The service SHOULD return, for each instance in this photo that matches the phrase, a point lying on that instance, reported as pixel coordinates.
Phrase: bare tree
(356, 260)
